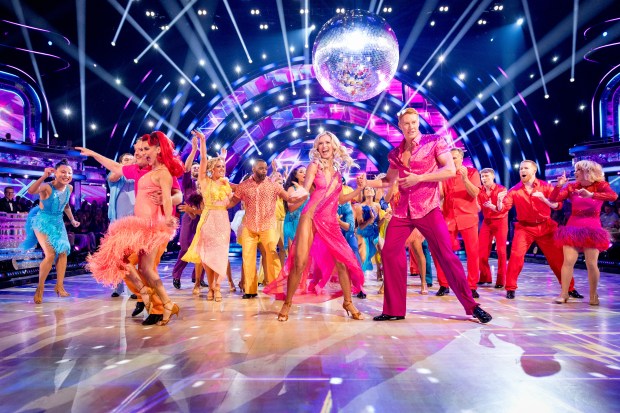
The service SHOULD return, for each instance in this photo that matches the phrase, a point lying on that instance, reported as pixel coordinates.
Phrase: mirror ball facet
(355, 55)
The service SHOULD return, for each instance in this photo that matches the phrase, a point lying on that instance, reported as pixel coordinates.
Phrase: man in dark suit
(8, 203)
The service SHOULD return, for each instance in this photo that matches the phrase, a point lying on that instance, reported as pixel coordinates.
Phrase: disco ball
(355, 55)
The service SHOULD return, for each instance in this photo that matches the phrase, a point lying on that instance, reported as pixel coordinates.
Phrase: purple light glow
(522, 98)
(36, 28)
(537, 128)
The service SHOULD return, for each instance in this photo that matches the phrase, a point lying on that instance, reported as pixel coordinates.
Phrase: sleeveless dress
(584, 229)
(48, 220)
(328, 245)
(291, 221)
(212, 240)
(138, 234)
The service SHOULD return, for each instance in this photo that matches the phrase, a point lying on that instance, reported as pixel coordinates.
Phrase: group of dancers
(430, 193)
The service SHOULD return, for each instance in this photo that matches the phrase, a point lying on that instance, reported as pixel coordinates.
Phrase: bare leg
(214, 283)
(45, 267)
(591, 255)
(147, 266)
(197, 279)
(345, 284)
(303, 240)
(570, 258)
(230, 280)
(61, 269)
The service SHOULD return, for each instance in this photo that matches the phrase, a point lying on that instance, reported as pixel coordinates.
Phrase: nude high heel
(217, 295)
(562, 299)
(60, 291)
(170, 309)
(283, 315)
(210, 294)
(38, 295)
(594, 299)
(354, 312)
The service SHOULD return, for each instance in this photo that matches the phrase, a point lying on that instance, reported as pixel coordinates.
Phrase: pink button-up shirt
(418, 200)
(260, 203)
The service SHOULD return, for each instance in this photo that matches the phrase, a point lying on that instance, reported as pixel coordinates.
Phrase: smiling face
(219, 169)
(409, 124)
(527, 171)
(369, 193)
(150, 153)
(139, 154)
(63, 174)
(324, 146)
(195, 170)
(9, 193)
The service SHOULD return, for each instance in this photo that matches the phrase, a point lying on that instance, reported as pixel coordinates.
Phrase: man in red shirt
(460, 210)
(418, 164)
(531, 199)
(494, 224)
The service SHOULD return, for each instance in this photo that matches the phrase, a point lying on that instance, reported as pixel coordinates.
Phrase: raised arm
(192, 155)
(386, 181)
(107, 163)
(38, 187)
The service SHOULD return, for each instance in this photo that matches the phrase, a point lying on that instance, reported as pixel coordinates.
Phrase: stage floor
(86, 354)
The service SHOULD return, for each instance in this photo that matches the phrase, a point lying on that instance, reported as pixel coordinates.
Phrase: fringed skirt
(126, 236)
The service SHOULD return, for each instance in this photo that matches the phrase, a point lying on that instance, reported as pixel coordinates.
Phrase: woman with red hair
(144, 233)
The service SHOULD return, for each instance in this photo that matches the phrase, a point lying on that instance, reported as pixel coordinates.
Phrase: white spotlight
(165, 101)
(213, 86)
(507, 140)
(151, 123)
(66, 111)
(572, 79)
(218, 146)
(479, 95)
(462, 76)
(547, 96)
(432, 22)
(256, 109)
(556, 121)
(237, 69)
(201, 62)
(531, 75)
(520, 21)
(295, 134)
(386, 107)
(270, 145)
(582, 107)
(235, 126)
(182, 81)
(281, 98)
(555, 58)
(264, 56)
(347, 133)
(93, 126)
(371, 144)
(292, 49)
(118, 81)
(429, 83)
(405, 67)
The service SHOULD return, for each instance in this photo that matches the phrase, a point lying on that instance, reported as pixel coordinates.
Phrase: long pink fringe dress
(583, 229)
(141, 233)
(328, 246)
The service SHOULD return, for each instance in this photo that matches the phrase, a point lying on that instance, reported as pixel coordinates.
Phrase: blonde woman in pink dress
(583, 231)
(318, 233)
(212, 239)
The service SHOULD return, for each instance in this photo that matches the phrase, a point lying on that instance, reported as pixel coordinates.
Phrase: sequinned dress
(48, 221)
(212, 240)
(328, 245)
(141, 234)
(584, 229)
(369, 233)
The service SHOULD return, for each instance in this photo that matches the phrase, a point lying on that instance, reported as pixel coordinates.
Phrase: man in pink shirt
(419, 163)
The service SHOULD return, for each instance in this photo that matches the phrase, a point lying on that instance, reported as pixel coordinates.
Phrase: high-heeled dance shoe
(562, 299)
(196, 290)
(232, 287)
(380, 289)
(60, 291)
(210, 294)
(217, 295)
(594, 299)
(38, 295)
(283, 315)
(170, 309)
(146, 293)
(351, 310)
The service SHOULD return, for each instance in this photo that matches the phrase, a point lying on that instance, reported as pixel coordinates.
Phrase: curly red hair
(168, 158)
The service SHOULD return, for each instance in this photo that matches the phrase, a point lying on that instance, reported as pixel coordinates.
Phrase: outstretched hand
(197, 134)
(85, 151)
(361, 180)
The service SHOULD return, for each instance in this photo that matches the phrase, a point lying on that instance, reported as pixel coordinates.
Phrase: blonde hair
(531, 163)
(408, 111)
(342, 154)
(592, 171)
(211, 162)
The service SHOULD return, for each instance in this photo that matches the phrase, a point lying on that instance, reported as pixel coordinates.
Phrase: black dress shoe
(139, 308)
(361, 295)
(385, 317)
(133, 297)
(575, 294)
(481, 282)
(152, 319)
(482, 315)
(176, 283)
(248, 296)
(474, 293)
(510, 295)
(499, 285)
(115, 294)
(414, 275)
(442, 291)
(203, 284)
(429, 284)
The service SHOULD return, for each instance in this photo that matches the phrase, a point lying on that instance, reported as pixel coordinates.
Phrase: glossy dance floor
(86, 354)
